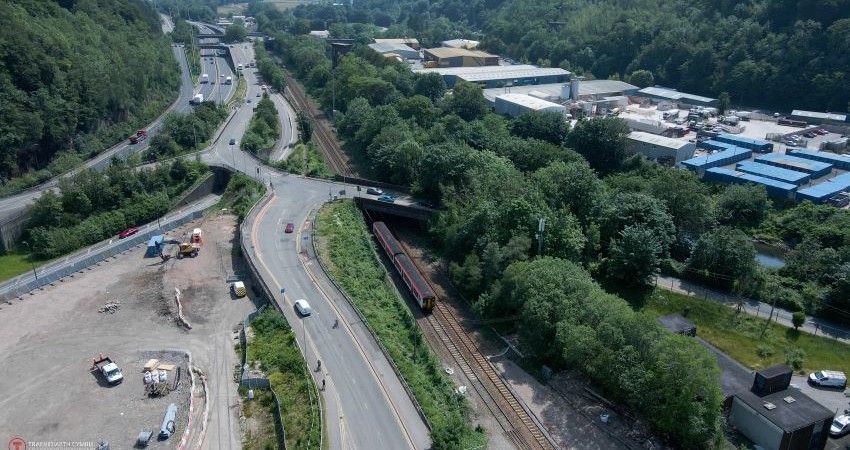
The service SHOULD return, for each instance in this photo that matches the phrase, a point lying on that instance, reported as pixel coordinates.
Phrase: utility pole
(29, 249)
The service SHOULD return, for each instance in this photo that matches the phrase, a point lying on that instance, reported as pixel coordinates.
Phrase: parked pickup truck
(108, 369)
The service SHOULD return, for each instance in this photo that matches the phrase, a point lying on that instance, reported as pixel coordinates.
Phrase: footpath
(813, 325)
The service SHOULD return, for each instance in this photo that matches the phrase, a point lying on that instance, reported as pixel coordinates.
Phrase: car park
(374, 191)
(828, 378)
(303, 307)
(128, 232)
(290, 227)
(840, 426)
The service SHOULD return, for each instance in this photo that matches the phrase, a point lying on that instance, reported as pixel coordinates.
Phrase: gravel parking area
(833, 399)
(49, 338)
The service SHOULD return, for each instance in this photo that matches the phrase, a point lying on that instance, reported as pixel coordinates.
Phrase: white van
(829, 378)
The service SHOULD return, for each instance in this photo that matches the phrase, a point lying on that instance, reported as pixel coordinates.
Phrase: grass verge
(240, 194)
(746, 339)
(273, 345)
(259, 420)
(239, 95)
(14, 264)
(347, 251)
(316, 166)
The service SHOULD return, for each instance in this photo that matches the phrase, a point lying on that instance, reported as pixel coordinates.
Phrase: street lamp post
(29, 250)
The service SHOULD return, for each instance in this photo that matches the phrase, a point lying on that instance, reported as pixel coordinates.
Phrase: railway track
(516, 423)
(325, 138)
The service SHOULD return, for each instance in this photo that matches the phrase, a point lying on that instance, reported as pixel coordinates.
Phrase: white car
(829, 378)
(303, 307)
(840, 426)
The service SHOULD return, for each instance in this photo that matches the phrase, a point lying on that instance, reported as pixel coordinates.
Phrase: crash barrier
(57, 271)
(266, 293)
(260, 382)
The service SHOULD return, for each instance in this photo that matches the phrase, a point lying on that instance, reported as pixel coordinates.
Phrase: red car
(128, 232)
(290, 227)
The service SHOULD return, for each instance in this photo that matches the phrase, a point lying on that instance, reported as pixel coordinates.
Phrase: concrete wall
(755, 426)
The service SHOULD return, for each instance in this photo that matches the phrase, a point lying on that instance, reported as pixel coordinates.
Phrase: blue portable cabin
(774, 173)
(712, 144)
(774, 188)
(723, 158)
(756, 145)
(816, 168)
(839, 161)
(152, 246)
(822, 191)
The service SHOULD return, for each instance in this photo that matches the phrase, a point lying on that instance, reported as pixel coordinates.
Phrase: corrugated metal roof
(456, 43)
(480, 69)
(776, 173)
(819, 115)
(397, 41)
(654, 139)
(793, 161)
(450, 52)
(674, 94)
(601, 87)
(828, 188)
(732, 137)
(384, 47)
(752, 178)
(529, 101)
(512, 74)
(840, 161)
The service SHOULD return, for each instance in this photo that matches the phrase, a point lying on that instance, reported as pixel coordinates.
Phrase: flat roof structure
(789, 416)
(773, 187)
(722, 158)
(674, 95)
(511, 74)
(822, 191)
(458, 71)
(460, 43)
(451, 52)
(492, 77)
(410, 42)
(661, 141)
(604, 87)
(819, 115)
(839, 161)
(816, 168)
(402, 50)
(773, 172)
(529, 102)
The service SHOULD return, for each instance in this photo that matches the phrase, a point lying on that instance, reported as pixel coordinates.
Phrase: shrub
(795, 357)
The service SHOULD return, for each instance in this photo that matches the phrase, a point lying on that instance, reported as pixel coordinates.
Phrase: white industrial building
(661, 94)
(460, 43)
(818, 118)
(500, 76)
(516, 104)
(389, 49)
(660, 148)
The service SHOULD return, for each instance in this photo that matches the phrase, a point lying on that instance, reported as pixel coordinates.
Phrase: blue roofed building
(774, 173)
(816, 168)
(839, 161)
(774, 188)
(823, 191)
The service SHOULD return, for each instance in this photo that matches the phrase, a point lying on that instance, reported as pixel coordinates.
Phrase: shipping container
(817, 169)
(718, 159)
(839, 161)
(822, 191)
(773, 172)
(756, 145)
(774, 188)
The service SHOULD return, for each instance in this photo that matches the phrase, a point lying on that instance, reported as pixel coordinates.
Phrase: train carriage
(414, 280)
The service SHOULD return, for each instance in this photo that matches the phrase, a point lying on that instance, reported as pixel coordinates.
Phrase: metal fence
(79, 261)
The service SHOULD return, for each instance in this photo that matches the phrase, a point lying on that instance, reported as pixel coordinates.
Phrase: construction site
(137, 350)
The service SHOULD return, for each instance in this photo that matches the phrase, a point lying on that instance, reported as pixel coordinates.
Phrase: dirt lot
(49, 338)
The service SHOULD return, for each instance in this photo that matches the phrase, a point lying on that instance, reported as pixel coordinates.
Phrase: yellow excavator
(188, 249)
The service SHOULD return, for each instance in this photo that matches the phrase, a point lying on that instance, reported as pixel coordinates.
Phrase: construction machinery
(189, 249)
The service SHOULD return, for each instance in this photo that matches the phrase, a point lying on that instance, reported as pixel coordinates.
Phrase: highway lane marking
(375, 372)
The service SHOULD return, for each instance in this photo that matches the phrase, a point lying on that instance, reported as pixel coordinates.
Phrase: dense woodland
(77, 77)
(789, 54)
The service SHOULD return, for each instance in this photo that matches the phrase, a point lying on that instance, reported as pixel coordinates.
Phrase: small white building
(516, 104)
(661, 148)
(460, 43)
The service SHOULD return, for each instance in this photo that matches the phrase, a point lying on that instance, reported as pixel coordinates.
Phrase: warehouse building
(775, 417)
(726, 176)
(390, 49)
(410, 42)
(818, 118)
(660, 148)
(773, 172)
(817, 169)
(654, 126)
(823, 191)
(516, 104)
(460, 43)
(839, 161)
(603, 90)
(458, 57)
(662, 94)
(500, 76)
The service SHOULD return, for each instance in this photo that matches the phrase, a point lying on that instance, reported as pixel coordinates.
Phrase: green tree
(798, 319)
(724, 255)
(235, 33)
(305, 127)
(467, 101)
(572, 185)
(635, 256)
(546, 126)
(627, 209)
(742, 205)
(724, 101)
(467, 275)
(642, 78)
(430, 85)
(602, 141)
